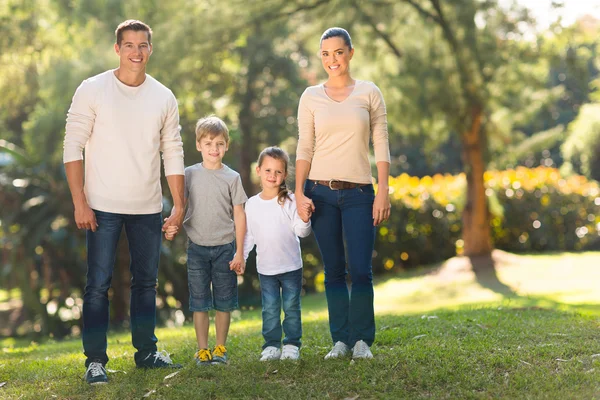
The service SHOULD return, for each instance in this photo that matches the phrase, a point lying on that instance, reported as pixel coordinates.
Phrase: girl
(273, 225)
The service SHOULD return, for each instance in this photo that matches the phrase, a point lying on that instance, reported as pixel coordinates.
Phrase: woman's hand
(305, 207)
(381, 207)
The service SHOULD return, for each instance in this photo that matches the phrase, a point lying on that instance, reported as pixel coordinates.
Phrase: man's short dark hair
(132, 25)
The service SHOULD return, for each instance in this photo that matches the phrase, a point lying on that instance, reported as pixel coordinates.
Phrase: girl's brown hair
(281, 155)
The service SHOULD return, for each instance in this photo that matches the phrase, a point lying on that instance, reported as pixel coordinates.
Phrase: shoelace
(288, 351)
(162, 356)
(269, 351)
(204, 355)
(96, 369)
(361, 347)
(339, 347)
(219, 351)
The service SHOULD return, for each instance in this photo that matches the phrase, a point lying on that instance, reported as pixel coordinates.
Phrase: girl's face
(336, 56)
(271, 172)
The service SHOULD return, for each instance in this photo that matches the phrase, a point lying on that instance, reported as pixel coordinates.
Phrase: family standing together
(125, 120)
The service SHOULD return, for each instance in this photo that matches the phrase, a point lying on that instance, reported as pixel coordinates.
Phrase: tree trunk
(476, 218)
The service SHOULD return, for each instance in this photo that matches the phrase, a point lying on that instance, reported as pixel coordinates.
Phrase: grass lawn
(530, 330)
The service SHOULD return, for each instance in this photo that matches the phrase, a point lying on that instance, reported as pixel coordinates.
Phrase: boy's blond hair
(211, 126)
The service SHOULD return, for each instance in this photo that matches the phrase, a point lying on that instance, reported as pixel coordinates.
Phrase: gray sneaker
(340, 349)
(290, 352)
(270, 353)
(361, 350)
(96, 374)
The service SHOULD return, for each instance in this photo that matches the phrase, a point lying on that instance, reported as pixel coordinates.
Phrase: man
(124, 119)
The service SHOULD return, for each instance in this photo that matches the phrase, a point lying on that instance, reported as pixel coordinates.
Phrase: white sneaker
(270, 353)
(290, 352)
(361, 350)
(339, 349)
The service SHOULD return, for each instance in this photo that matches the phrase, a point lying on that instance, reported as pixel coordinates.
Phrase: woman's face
(336, 56)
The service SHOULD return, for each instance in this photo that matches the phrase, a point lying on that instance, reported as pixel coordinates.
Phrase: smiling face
(272, 173)
(213, 150)
(336, 56)
(134, 51)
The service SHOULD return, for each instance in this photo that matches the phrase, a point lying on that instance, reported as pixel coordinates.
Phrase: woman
(336, 120)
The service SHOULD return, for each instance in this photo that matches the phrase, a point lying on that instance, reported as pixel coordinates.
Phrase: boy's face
(212, 149)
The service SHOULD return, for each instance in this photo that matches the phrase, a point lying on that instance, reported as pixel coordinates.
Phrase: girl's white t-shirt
(274, 229)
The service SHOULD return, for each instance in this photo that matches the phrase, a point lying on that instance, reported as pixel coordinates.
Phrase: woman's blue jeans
(144, 237)
(277, 291)
(343, 226)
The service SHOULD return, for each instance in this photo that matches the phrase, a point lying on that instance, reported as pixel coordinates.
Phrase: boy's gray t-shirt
(211, 195)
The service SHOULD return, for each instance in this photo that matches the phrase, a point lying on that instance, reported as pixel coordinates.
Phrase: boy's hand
(171, 232)
(238, 264)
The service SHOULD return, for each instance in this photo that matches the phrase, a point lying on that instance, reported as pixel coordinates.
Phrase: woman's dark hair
(281, 155)
(337, 32)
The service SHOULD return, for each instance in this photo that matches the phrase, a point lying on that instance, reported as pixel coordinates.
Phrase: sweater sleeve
(306, 129)
(80, 122)
(379, 129)
(171, 144)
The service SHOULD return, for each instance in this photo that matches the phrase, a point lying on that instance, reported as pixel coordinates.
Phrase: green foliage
(581, 150)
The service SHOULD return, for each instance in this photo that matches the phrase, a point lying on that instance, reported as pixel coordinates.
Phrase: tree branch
(386, 38)
(422, 11)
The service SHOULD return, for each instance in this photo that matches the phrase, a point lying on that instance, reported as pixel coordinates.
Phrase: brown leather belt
(334, 184)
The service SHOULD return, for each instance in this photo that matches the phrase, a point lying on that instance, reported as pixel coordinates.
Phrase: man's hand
(174, 220)
(85, 218)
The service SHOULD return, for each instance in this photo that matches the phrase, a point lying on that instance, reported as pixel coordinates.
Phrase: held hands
(171, 231)
(381, 207)
(238, 264)
(172, 223)
(305, 207)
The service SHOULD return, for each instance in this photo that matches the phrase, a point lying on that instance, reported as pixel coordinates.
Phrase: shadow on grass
(486, 275)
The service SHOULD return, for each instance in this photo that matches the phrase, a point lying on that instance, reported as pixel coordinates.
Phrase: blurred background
(493, 110)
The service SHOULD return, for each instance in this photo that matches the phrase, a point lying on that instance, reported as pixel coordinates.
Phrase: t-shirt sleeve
(186, 190)
(379, 129)
(249, 237)
(171, 144)
(238, 195)
(80, 122)
(306, 129)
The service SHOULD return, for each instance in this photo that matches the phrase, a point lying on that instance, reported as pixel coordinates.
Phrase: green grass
(442, 333)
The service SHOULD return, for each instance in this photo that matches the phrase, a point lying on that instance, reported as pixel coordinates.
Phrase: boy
(215, 223)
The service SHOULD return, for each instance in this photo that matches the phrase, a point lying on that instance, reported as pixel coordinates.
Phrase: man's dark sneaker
(157, 359)
(219, 355)
(96, 374)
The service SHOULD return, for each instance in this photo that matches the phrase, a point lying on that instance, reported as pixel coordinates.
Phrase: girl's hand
(305, 207)
(381, 207)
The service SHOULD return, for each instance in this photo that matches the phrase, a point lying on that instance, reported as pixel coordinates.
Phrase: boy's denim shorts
(208, 268)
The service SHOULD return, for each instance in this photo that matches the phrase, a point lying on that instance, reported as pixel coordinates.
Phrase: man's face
(134, 51)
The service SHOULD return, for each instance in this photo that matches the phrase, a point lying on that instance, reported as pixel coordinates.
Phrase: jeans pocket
(366, 189)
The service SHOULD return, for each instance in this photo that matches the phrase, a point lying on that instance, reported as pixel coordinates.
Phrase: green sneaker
(203, 357)
(219, 355)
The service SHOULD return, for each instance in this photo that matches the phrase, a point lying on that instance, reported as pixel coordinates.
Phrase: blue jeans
(211, 283)
(343, 227)
(274, 289)
(144, 237)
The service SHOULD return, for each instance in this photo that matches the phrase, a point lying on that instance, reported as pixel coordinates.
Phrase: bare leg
(222, 320)
(201, 323)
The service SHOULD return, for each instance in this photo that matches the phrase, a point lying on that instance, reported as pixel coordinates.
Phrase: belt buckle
(330, 184)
